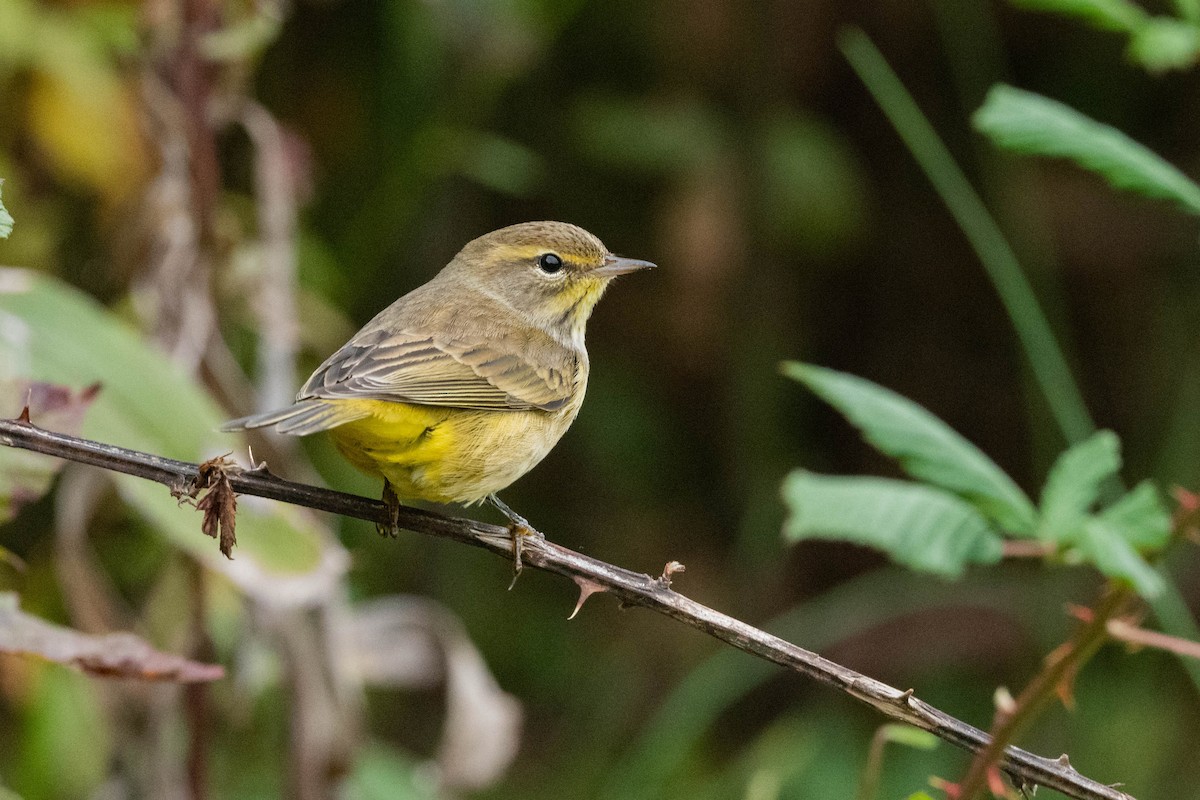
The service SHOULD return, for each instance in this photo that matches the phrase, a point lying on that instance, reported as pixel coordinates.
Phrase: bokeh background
(247, 183)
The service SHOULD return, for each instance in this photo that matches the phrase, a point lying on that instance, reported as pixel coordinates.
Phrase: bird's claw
(519, 531)
(392, 528)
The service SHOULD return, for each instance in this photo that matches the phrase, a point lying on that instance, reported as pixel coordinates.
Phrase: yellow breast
(449, 454)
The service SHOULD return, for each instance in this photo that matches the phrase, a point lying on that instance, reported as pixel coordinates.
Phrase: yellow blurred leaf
(88, 131)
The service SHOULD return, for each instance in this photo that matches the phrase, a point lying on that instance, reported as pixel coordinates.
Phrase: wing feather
(433, 370)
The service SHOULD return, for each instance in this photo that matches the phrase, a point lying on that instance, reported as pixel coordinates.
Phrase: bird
(464, 384)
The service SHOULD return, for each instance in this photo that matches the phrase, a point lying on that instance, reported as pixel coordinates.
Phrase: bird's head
(550, 273)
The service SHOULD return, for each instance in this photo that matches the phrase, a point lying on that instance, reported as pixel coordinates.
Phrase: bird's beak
(617, 265)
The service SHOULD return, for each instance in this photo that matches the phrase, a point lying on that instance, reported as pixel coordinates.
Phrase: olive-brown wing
(502, 374)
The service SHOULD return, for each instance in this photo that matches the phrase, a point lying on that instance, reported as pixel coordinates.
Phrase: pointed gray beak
(617, 265)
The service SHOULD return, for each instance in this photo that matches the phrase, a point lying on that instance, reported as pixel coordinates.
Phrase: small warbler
(464, 384)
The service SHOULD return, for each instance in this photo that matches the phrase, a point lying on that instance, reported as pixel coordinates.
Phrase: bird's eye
(549, 263)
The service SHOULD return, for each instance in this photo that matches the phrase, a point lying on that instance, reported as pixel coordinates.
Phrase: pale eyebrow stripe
(520, 252)
(524, 251)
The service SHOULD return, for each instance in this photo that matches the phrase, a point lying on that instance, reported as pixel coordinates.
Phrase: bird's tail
(301, 419)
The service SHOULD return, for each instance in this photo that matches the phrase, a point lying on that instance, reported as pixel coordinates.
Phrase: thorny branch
(631, 588)
(1056, 678)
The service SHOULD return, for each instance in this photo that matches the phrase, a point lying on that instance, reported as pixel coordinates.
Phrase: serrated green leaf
(919, 526)
(1103, 545)
(54, 333)
(1114, 15)
(926, 447)
(909, 736)
(1036, 125)
(1074, 484)
(1165, 43)
(1141, 518)
(6, 220)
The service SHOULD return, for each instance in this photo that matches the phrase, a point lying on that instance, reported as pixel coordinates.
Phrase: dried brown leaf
(114, 655)
(219, 504)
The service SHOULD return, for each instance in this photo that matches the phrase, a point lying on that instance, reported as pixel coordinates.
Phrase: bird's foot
(392, 528)
(519, 528)
(519, 532)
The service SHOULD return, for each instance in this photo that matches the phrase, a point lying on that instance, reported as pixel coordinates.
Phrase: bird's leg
(519, 527)
(393, 503)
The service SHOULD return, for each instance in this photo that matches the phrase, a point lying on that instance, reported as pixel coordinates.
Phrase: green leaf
(1074, 484)
(918, 526)
(54, 333)
(1036, 125)
(1165, 43)
(926, 447)
(1114, 15)
(1101, 544)
(1141, 518)
(909, 736)
(6, 220)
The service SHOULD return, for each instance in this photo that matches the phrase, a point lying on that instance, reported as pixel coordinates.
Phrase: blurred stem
(1176, 619)
(196, 694)
(1060, 669)
(873, 771)
(1046, 359)
(276, 192)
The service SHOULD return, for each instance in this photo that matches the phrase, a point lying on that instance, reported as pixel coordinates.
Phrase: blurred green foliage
(727, 142)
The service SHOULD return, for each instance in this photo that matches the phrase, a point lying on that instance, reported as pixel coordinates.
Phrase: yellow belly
(448, 454)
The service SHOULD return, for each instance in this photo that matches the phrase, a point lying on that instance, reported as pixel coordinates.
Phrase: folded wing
(433, 370)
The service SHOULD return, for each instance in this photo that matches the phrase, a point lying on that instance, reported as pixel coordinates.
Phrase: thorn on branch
(586, 589)
(1064, 762)
(671, 568)
(257, 468)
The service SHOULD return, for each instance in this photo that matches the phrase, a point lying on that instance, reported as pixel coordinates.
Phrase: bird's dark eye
(549, 263)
